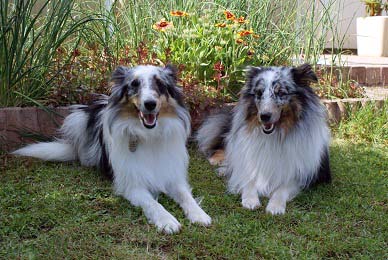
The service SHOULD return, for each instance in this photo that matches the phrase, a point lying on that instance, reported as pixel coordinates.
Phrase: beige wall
(348, 11)
(343, 13)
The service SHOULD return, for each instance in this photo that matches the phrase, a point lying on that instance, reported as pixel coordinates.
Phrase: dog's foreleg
(153, 210)
(250, 197)
(183, 196)
(279, 198)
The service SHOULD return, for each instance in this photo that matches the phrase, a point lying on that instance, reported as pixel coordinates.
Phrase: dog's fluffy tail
(211, 135)
(50, 151)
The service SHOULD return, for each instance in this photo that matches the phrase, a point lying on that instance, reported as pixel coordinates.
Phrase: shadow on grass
(64, 210)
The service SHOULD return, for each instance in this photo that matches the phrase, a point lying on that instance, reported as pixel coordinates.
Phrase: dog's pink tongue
(267, 126)
(150, 119)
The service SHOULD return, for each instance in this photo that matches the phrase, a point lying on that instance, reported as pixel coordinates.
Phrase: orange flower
(229, 15)
(245, 33)
(220, 25)
(239, 41)
(162, 25)
(178, 13)
(256, 36)
(241, 20)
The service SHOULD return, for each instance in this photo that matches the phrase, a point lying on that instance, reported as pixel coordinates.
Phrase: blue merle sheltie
(274, 142)
(138, 136)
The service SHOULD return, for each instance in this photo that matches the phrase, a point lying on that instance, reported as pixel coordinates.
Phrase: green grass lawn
(58, 210)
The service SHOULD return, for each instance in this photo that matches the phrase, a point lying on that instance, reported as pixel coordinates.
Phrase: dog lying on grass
(138, 137)
(275, 141)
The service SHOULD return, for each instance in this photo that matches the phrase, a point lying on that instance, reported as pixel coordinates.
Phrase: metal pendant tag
(133, 142)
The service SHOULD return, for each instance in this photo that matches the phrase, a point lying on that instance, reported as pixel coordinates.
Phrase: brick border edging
(340, 109)
(14, 121)
(364, 75)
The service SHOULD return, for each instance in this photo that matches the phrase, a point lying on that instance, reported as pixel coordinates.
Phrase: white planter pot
(372, 36)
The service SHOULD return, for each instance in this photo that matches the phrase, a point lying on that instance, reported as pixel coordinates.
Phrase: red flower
(244, 33)
(240, 41)
(220, 25)
(179, 13)
(229, 15)
(218, 66)
(162, 25)
(241, 20)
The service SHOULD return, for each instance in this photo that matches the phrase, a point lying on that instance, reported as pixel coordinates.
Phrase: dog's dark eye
(135, 83)
(162, 87)
(282, 93)
(259, 93)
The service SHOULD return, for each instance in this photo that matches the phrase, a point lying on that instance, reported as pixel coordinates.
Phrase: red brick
(12, 140)
(333, 111)
(384, 76)
(22, 118)
(358, 74)
(47, 122)
(344, 73)
(373, 76)
(63, 111)
(15, 120)
(343, 110)
(20, 121)
(3, 119)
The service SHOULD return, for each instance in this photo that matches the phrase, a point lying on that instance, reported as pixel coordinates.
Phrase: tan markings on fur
(167, 108)
(290, 115)
(217, 158)
(252, 122)
(128, 108)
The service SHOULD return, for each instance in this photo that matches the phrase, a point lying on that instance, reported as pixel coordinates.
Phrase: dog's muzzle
(267, 126)
(148, 115)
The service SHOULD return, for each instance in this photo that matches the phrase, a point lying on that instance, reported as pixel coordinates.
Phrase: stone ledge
(339, 109)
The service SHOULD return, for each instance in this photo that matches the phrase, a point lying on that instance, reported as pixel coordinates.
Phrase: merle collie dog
(138, 136)
(274, 143)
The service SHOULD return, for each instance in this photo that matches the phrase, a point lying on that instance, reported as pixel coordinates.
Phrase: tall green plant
(31, 31)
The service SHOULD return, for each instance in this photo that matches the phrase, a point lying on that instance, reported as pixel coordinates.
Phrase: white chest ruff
(268, 162)
(156, 159)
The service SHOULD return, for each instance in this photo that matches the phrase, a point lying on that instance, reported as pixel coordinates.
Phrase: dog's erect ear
(119, 84)
(172, 89)
(119, 75)
(304, 75)
(172, 72)
(252, 72)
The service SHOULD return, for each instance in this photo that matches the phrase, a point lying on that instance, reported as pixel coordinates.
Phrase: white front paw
(199, 217)
(276, 208)
(168, 224)
(221, 171)
(251, 203)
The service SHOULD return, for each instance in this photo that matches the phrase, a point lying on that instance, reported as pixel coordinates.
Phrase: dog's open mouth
(149, 120)
(268, 128)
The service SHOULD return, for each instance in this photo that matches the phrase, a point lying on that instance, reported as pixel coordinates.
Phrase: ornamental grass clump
(31, 31)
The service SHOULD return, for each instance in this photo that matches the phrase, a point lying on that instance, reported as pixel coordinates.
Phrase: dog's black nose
(150, 105)
(265, 117)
